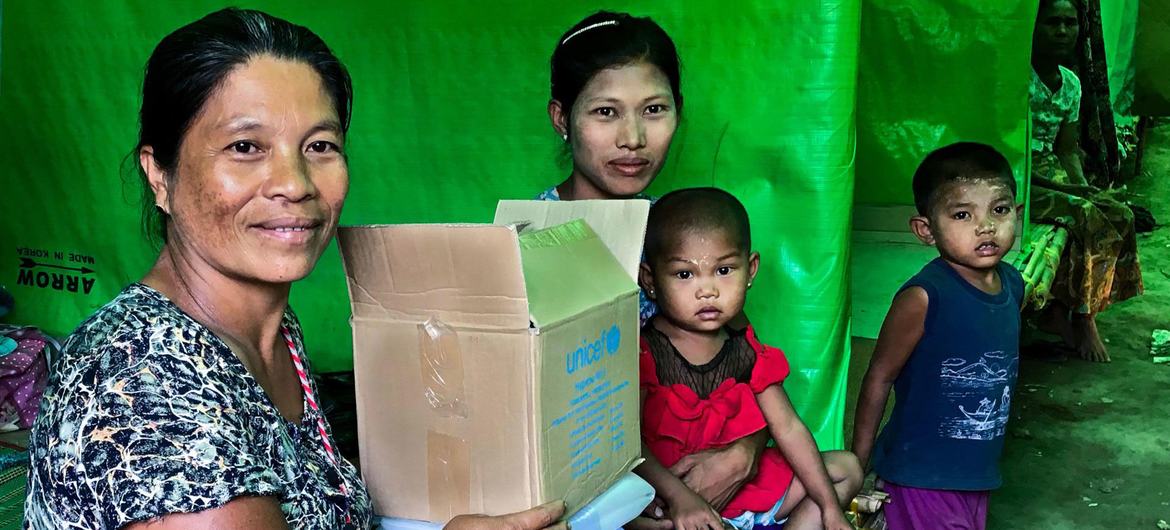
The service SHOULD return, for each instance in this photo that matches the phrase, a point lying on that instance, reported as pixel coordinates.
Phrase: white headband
(589, 27)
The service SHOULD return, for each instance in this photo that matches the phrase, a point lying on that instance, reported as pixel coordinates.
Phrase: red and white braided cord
(312, 401)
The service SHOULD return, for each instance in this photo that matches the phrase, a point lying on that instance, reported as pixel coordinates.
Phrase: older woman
(186, 402)
(1100, 265)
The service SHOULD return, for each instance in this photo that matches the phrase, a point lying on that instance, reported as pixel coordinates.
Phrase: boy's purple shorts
(923, 509)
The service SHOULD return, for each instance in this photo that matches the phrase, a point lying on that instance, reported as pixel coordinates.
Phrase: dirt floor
(1089, 444)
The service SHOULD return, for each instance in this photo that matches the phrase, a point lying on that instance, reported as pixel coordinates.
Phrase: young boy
(949, 347)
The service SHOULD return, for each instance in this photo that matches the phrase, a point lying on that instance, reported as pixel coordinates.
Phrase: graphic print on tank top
(979, 394)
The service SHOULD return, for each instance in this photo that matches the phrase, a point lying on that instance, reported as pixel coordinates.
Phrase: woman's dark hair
(608, 40)
(188, 65)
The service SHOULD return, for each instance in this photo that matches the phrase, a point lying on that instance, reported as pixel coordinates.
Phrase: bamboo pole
(1039, 261)
(1037, 251)
(1041, 290)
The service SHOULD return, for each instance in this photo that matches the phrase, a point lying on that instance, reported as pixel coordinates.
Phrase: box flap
(567, 270)
(620, 224)
(465, 275)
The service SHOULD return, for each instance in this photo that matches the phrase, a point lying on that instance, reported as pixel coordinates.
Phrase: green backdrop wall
(1150, 54)
(935, 72)
(449, 117)
(1119, 20)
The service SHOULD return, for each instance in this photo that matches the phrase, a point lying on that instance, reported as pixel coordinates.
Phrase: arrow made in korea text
(28, 263)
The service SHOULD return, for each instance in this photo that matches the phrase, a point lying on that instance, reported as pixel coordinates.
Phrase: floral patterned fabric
(148, 413)
(1100, 264)
(1051, 110)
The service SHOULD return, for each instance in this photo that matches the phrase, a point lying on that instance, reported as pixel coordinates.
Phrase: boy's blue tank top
(953, 396)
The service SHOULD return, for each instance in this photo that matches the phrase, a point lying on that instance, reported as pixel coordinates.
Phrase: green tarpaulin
(450, 117)
(931, 73)
(1150, 54)
(1119, 20)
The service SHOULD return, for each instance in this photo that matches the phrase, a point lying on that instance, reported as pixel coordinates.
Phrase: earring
(650, 292)
(565, 137)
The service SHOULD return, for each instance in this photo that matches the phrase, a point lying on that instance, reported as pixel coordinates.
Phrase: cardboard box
(496, 365)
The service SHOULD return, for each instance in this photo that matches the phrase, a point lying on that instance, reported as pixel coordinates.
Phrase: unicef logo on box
(608, 341)
(613, 339)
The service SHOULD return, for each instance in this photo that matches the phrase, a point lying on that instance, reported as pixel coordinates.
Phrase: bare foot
(1089, 344)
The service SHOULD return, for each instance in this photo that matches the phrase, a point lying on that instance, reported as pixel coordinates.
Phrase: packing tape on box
(448, 475)
(442, 368)
(448, 456)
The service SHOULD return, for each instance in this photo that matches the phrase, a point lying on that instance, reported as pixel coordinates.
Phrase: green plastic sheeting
(933, 73)
(1119, 20)
(450, 117)
(1151, 54)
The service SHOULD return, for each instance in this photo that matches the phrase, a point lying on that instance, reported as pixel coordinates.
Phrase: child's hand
(691, 512)
(656, 509)
(833, 519)
(652, 518)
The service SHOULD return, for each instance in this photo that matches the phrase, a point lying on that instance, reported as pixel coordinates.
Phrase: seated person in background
(1100, 263)
(706, 385)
